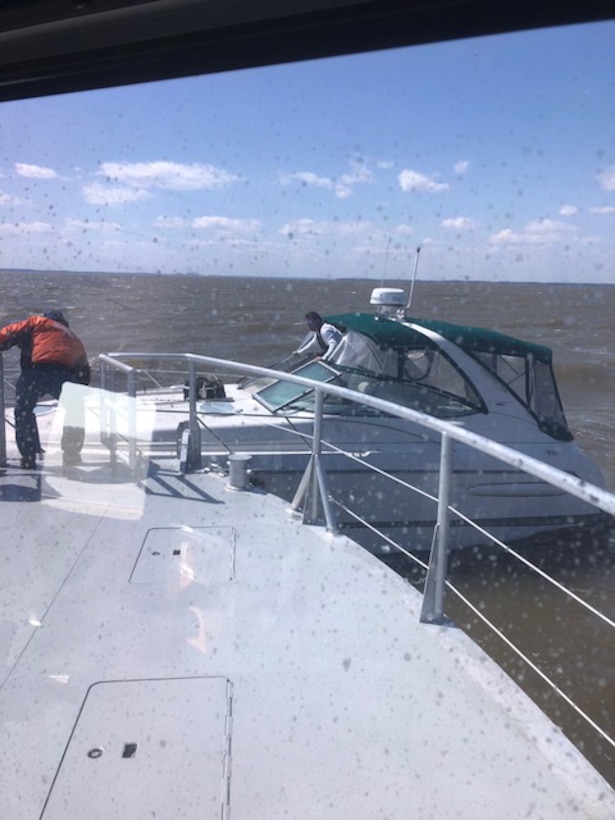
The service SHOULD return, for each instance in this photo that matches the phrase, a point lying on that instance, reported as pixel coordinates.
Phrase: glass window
(533, 383)
(280, 394)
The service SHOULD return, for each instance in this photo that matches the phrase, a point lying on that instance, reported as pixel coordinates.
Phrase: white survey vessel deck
(186, 650)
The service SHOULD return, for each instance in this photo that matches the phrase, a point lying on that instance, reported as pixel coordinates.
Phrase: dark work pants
(32, 385)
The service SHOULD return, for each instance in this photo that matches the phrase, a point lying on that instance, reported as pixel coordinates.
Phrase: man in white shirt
(324, 337)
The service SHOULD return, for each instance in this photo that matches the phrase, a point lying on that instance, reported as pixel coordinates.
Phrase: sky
(495, 156)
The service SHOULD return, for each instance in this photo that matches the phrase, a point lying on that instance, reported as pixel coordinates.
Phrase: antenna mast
(386, 262)
(416, 267)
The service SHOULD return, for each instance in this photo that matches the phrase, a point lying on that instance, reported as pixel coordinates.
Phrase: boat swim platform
(172, 647)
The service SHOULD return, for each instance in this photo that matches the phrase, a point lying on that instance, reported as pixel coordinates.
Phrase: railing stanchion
(432, 610)
(304, 483)
(193, 461)
(132, 420)
(314, 484)
(2, 411)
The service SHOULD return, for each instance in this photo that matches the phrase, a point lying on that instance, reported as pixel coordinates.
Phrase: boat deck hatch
(144, 748)
(183, 555)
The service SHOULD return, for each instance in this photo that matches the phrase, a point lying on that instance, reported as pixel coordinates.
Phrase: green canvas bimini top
(390, 333)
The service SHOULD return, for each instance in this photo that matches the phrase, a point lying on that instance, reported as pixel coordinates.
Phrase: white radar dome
(388, 297)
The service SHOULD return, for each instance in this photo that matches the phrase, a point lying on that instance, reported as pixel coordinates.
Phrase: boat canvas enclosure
(524, 368)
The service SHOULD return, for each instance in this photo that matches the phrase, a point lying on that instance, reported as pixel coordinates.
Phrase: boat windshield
(420, 378)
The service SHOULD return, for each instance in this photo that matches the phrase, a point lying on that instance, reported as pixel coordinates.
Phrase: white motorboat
(480, 380)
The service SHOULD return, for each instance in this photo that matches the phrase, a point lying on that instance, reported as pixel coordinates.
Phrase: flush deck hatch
(147, 748)
(181, 555)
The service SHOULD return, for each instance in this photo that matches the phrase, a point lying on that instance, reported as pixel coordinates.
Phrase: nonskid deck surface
(170, 642)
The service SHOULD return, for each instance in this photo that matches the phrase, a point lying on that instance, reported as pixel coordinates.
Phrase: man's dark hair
(56, 316)
(312, 316)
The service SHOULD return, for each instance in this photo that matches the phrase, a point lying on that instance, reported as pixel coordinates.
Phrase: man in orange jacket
(51, 354)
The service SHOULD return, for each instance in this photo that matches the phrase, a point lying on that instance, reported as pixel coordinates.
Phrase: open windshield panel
(532, 382)
(286, 365)
(280, 396)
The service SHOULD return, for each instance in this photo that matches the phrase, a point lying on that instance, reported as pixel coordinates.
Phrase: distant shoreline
(375, 279)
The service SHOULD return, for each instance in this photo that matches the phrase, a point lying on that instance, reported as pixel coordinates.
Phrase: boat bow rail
(593, 495)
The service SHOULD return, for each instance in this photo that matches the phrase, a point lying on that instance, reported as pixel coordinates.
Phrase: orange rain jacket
(46, 342)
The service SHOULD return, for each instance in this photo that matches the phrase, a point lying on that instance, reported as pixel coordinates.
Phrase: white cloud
(342, 186)
(606, 209)
(7, 199)
(96, 194)
(358, 175)
(312, 227)
(606, 178)
(101, 226)
(538, 232)
(305, 227)
(461, 167)
(343, 191)
(309, 179)
(22, 169)
(410, 180)
(233, 241)
(128, 182)
(460, 223)
(350, 227)
(170, 222)
(223, 223)
(403, 229)
(25, 228)
(167, 175)
(568, 210)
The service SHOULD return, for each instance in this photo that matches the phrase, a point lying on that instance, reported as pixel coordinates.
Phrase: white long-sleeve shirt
(322, 341)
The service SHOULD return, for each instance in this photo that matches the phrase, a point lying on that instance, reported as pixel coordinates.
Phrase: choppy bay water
(261, 320)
